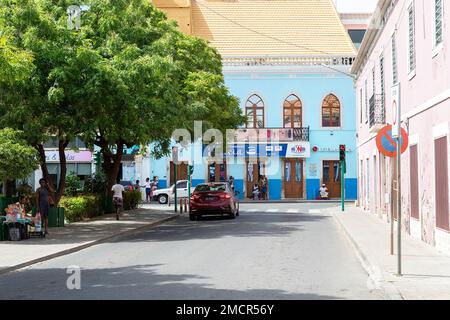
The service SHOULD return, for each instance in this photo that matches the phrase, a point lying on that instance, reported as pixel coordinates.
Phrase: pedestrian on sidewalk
(118, 191)
(256, 192)
(43, 199)
(323, 190)
(153, 186)
(148, 189)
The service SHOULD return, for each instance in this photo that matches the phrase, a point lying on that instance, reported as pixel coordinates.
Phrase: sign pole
(399, 192)
(175, 186)
(342, 185)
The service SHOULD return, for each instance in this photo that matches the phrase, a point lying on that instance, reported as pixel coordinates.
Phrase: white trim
(440, 130)
(437, 99)
(412, 75)
(437, 48)
(414, 141)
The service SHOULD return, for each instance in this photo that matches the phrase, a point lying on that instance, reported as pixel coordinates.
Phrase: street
(271, 251)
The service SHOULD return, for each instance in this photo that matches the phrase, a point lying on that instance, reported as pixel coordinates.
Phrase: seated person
(255, 192)
(323, 192)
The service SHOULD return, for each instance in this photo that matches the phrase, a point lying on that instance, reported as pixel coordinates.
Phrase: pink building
(408, 42)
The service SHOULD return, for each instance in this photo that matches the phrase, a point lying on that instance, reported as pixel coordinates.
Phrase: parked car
(168, 194)
(128, 185)
(213, 198)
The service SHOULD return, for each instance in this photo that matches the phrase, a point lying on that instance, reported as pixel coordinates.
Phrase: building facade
(293, 84)
(408, 44)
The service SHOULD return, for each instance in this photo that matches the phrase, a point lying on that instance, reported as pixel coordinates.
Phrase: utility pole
(175, 161)
(343, 168)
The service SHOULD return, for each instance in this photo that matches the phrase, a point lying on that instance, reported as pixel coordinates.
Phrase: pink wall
(428, 86)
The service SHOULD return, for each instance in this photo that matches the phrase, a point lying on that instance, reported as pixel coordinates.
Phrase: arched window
(292, 112)
(254, 110)
(331, 111)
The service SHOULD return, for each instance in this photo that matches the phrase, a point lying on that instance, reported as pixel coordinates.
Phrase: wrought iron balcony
(377, 112)
(301, 134)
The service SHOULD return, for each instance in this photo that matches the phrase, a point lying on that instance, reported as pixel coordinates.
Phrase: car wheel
(162, 198)
(232, 215)
(193, 217)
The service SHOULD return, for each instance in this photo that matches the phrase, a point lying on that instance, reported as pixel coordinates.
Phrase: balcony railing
(377, 112)
(259, 135)
(301, 134)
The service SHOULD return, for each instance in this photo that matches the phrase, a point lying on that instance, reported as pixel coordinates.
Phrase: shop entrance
(293, 178)
(332, 178)
(217, 172)
(253, 171)
(182, 169)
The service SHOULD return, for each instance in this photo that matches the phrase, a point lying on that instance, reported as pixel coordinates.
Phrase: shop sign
(291, 150)
(263, 135)
(71, 156)
(331, 149)
(298, 150)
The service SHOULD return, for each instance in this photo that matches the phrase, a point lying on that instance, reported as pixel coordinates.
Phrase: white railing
(288, 60)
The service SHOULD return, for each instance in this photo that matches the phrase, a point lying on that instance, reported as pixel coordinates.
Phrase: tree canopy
(127, 77)
(17, 158)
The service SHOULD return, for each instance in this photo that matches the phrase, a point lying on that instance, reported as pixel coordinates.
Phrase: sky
(355, 6)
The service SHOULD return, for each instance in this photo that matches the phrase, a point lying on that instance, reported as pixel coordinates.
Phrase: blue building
(292, 82)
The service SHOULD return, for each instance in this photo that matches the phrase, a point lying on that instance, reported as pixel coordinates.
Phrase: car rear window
(208, 188)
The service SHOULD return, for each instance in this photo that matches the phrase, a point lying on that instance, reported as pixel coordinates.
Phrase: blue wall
(311, 88)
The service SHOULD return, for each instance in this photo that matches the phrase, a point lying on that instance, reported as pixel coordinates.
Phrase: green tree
(15, 64)
(17, 158)
(127, 77)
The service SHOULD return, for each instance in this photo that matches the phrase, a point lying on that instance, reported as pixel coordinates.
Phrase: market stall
(17, 225)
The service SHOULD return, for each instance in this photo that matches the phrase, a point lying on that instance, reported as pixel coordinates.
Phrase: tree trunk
(56, 193)
(63, 170)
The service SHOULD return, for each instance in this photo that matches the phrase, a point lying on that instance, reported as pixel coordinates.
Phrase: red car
(211, 199)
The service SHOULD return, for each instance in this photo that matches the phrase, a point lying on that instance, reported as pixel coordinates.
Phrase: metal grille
(301, 134)
(412, 50)
(441, 183)
(377, 114)
(382, 79)
(414, 181)
(438, 21)
(394, 60)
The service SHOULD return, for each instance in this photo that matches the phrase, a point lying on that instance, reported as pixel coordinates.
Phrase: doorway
(293, 178)
(331, 177)
(217, 172)
(253, 171)
(182, 169)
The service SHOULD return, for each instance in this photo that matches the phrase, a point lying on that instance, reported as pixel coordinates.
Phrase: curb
(377, 278)
(87, 245)
(296, 201)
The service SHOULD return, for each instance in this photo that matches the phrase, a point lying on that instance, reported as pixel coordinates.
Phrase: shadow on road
(139, 282)
(215, 227)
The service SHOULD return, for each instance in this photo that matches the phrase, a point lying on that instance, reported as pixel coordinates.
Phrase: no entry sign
(387, 144)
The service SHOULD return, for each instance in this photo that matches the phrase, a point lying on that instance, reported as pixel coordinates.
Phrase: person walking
(153, 186)
(118, 190)
(148, 189)
(43, 199)
(231, 181)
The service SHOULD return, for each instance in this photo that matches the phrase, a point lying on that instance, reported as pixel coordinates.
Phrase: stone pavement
(426, 272)
(77, 236)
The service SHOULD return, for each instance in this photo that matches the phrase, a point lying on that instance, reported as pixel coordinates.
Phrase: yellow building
(263, 27)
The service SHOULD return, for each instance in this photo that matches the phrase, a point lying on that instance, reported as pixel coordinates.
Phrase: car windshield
(208, 188)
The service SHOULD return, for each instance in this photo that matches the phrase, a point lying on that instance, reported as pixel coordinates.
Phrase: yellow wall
(178, 10)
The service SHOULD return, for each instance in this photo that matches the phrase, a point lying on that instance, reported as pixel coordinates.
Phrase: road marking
(272, 210)
(314, 211)
(251, 210)
(292, 211)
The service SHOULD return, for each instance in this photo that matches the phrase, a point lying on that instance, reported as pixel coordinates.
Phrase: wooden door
(293, 178)
(253, 171)
(181, 172)
(332, 178)
(217, 172)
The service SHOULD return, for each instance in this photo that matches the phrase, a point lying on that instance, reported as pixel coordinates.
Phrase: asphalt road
(271, 251)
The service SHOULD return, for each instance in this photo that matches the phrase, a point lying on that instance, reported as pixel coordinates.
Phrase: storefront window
(326, 172)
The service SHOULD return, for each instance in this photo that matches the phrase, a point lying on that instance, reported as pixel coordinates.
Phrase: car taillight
(195, 197)
(225, 196)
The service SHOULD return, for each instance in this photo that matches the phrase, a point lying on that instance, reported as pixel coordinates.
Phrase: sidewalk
(77, 236)
(426, 272)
